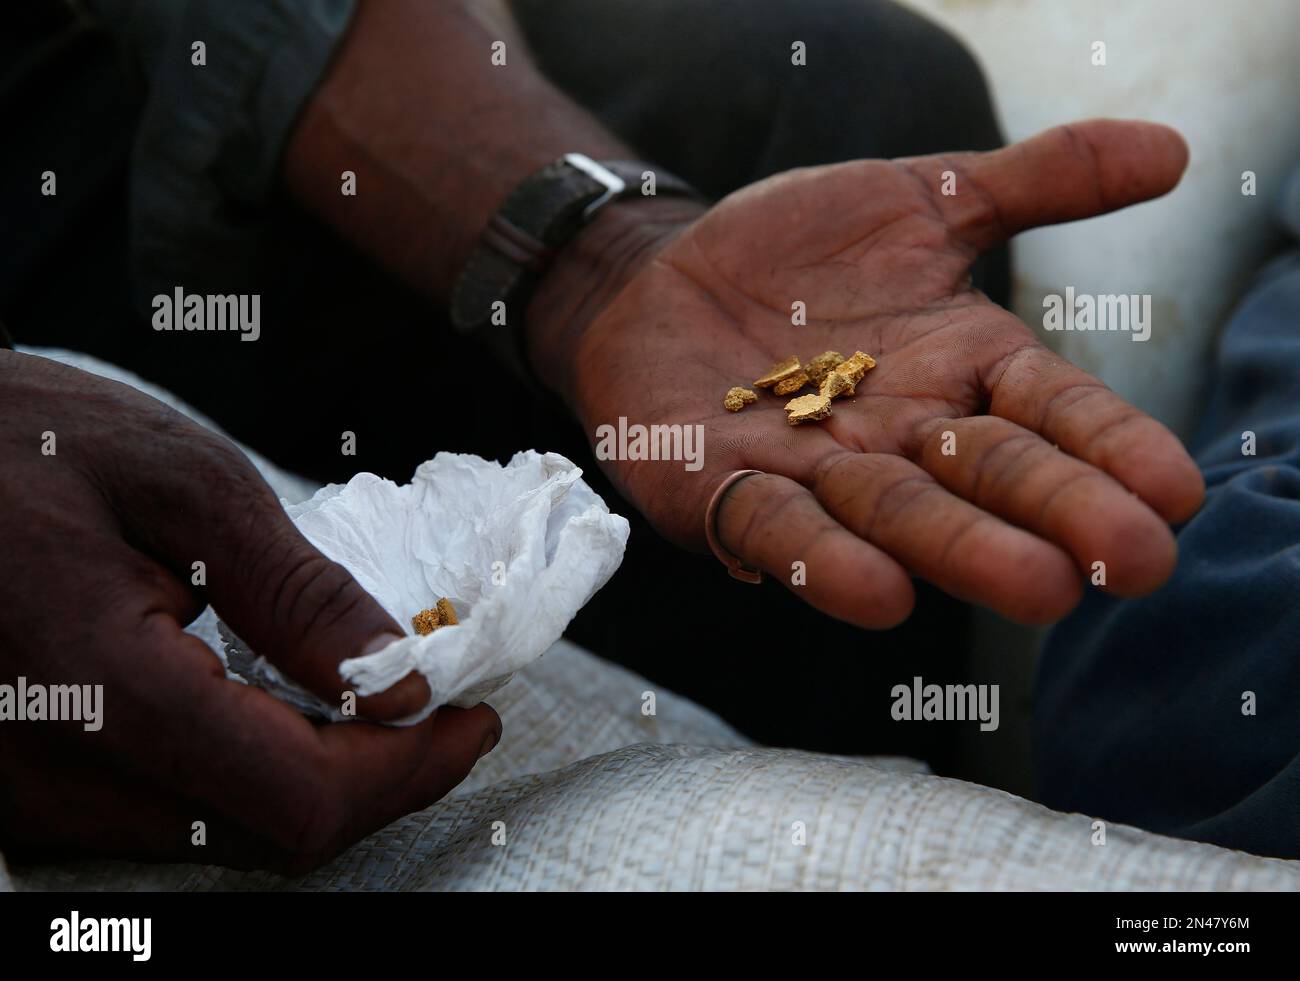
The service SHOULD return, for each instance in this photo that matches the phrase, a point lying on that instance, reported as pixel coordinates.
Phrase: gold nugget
(835, 385)
(426, 622)
(779, 372)
(737, 398)
(807, 408)
(788, 386)
(820, 366)
(855, 367)
(441, 615)
(447, 612)
(844, 377)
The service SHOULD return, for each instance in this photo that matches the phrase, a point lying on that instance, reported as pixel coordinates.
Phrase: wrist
(590, 271)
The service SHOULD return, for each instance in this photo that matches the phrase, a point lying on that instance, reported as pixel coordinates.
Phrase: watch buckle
(613, 184)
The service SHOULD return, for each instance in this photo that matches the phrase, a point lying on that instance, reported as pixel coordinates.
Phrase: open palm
(1047, 472)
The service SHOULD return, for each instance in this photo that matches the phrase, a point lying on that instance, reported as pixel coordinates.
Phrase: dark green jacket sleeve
(227, 81)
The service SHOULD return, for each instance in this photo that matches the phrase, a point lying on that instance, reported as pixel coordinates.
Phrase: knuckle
(828, 470)
(1110, 436)
(310, 592)
(229, 476)
(957, 542)
(1065, 401)
(1059, 503)
(899, 498)
(768, 516)
(199, 475)
(998, 470)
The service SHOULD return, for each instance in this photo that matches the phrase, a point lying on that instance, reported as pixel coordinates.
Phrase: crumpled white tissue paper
(517, 549)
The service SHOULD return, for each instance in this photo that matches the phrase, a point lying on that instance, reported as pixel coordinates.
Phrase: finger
(1011, 472)
(772, 522)
(350, 779)
(370, 756)
(1044, 393)
(79, 808)
(308, 791)
(286, 600)
(967, 552)
(1063, 174)
(169, 714)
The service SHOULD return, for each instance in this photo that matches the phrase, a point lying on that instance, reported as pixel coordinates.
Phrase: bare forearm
(436, 134)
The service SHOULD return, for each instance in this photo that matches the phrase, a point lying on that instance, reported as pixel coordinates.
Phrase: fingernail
(409, 695)
(490, 743)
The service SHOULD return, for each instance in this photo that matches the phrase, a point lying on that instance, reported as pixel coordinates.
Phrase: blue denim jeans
(1180, 712)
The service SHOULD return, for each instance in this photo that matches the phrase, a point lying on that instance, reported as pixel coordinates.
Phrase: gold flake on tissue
(447, 613)
(441, 615)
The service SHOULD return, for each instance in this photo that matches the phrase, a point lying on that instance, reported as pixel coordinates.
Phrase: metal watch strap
(538, 218)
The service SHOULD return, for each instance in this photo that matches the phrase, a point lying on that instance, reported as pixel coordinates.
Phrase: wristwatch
(539, 217)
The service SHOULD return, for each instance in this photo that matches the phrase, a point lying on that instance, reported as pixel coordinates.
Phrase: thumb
(306, 615)
(301, 611)
(1063, 174)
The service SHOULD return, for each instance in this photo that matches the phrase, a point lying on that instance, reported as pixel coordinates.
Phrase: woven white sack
(679, 801)
(518, 549)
